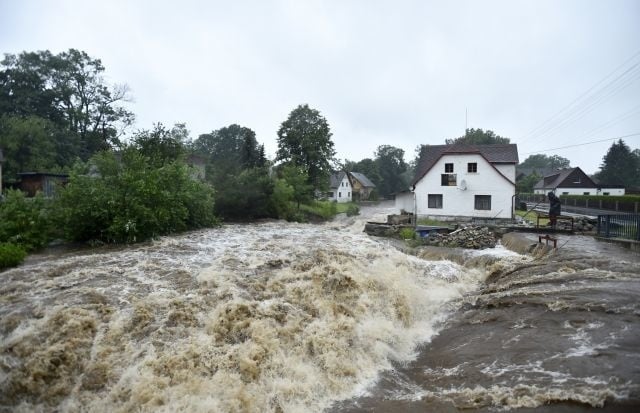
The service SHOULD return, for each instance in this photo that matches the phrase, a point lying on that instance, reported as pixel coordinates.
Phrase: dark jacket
(555, 206)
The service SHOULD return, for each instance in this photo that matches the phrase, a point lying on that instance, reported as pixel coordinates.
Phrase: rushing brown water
(297, 318)
(560, 333)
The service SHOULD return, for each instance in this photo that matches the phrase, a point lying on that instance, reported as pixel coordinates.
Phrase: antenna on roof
(466, 122)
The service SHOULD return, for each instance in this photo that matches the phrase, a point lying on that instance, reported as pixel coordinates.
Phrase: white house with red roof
(471, 181)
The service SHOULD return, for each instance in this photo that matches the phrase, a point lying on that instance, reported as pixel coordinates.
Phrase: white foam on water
(241, 318)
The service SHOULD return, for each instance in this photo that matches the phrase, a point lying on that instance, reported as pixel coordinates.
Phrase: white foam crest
(524, 396)
(241, 318)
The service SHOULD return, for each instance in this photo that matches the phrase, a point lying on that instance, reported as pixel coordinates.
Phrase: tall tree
(478, 137)
(29, 144)
(304, 140)
(541, 161)
(231, 148)
(392, 168)
(619, 166)
(68, 90)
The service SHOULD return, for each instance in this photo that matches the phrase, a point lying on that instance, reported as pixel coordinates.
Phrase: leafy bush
(353, 210)
(25, 221)
(11, 255)
(319, 210)
(407, 233)
(131, 200)
(247, 195)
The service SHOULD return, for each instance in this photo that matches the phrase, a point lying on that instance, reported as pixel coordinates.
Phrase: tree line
(58, 114)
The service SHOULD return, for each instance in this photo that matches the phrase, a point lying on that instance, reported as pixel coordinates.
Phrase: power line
(554, 121)
(582, 144)
(592, 102)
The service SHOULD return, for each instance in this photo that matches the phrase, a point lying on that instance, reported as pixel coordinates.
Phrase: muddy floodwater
(281, 317)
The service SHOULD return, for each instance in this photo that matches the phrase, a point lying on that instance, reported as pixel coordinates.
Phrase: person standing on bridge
(555, 208)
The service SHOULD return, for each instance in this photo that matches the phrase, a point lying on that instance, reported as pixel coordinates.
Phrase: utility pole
(466, 122)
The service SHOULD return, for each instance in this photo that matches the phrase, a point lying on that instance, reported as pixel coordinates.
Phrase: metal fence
(604, 203)
(619, 226)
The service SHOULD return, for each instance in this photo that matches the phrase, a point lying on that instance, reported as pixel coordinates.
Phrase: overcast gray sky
(398, 72)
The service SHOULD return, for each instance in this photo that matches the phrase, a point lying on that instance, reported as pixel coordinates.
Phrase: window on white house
(565, 193)
(585, 193)
(483, 202)
(339, 194)
(434, 201)
(472, 167)
(448, 180)
(329, 194)
(448, 168)
(606, 193)
(348, 194)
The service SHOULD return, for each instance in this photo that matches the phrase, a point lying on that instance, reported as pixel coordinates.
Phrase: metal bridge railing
(625, 226)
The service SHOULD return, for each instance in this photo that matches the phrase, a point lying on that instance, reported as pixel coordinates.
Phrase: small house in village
(573, 181)
(340, 188)
(34, 182)
(347, 187)
(362, 186)
(475, 181)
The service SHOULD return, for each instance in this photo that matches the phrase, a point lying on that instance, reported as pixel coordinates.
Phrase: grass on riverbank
(325, 210)
(433, 222)
(532, 217)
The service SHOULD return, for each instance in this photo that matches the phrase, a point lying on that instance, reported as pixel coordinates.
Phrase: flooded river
(281, 317)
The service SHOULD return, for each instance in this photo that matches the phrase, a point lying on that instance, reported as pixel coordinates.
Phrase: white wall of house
(344, 192)
(508, 170)
(583, 191)
(404, 201)
(459, 202)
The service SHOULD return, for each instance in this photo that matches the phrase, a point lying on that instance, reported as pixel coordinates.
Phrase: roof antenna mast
(466, 119)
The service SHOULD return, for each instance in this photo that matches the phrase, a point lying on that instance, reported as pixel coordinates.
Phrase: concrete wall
(405, 201)
(460, 202)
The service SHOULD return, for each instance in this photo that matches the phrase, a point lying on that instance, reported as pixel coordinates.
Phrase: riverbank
(557, 334)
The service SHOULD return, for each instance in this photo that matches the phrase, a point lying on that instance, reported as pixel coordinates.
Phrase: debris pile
(468, 237)
(584, 224)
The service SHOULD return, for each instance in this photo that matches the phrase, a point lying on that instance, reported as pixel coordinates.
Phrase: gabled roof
(336, 178)
(363, 180)
(497, 153)
(558, 178)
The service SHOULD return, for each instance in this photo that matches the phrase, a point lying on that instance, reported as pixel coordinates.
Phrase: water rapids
(272, 317)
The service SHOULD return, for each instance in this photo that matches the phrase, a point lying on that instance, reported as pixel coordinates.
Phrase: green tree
(162, 145)
(526, 184)
(392, 167)
(297, 178)
(244, 195)
(304, 140)
(542, 162)
(69, 90)
(478, 137)
(29, 144)
(619, 166)
(231, 148)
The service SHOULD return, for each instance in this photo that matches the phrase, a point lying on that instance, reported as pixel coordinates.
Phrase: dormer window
(448, 168)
